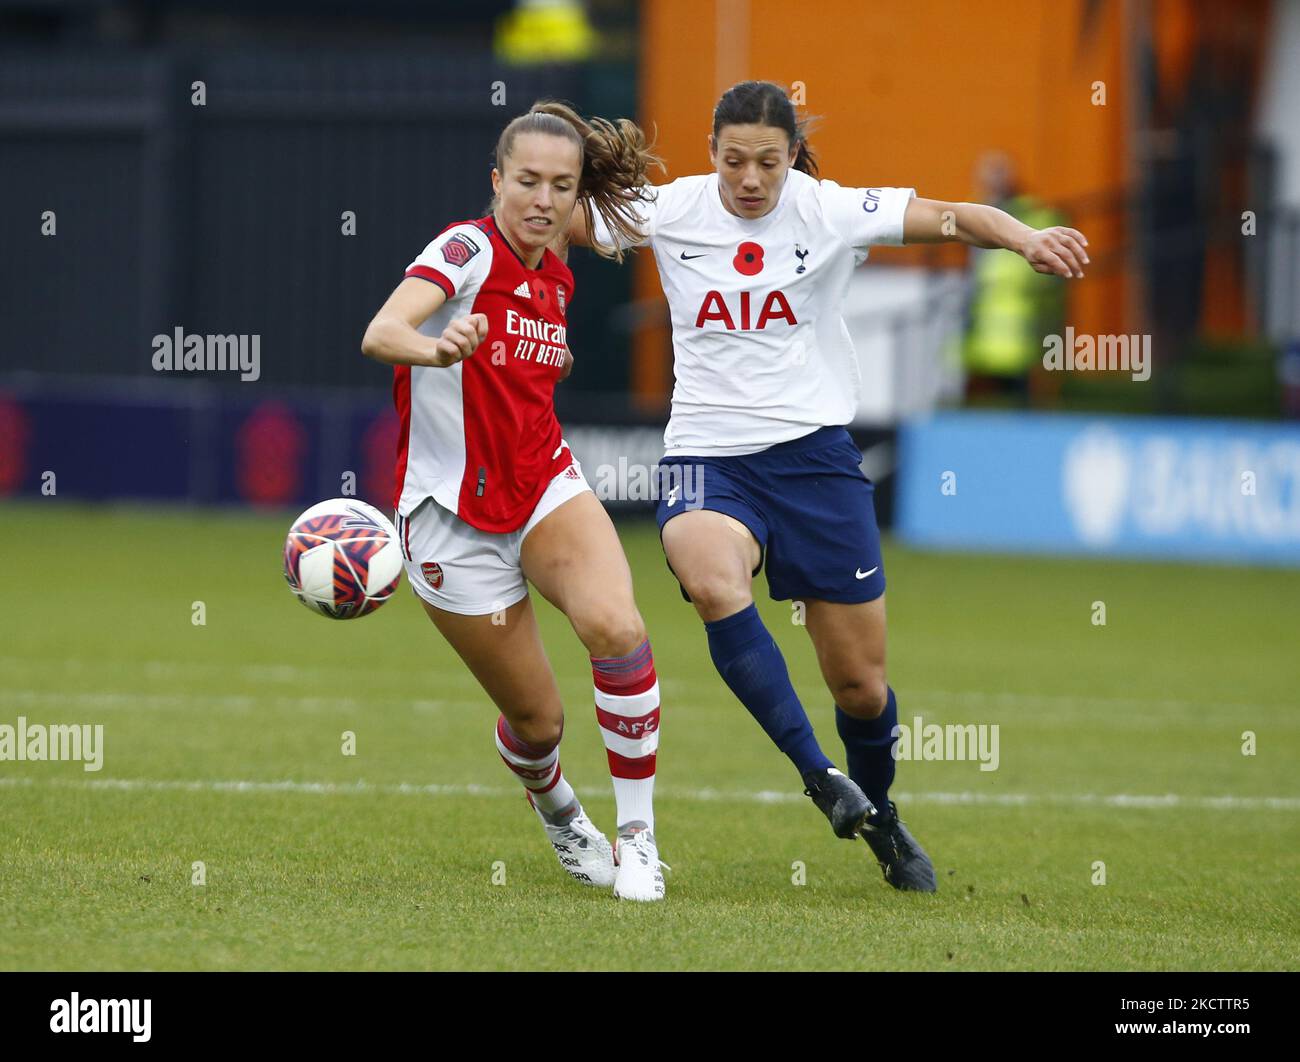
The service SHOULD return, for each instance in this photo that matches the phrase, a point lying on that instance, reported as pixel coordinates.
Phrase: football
(342, 558)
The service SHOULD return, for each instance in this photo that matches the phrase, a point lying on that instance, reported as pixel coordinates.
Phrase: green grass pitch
(223, 745)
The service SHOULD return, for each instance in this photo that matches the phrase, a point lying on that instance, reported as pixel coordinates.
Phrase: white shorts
(454, 566)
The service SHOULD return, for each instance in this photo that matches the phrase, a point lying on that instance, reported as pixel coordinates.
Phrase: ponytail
(615, 161)
(804, 160)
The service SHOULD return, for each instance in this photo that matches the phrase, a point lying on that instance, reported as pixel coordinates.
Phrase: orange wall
(908, 94)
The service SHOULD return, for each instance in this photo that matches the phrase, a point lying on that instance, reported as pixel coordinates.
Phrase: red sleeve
(434, 277)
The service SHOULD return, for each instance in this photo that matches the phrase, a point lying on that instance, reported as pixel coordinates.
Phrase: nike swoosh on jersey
(687, 257)
(862, 575)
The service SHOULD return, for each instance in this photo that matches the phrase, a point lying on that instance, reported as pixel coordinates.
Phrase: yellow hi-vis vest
(545, 31)
(1012, 307)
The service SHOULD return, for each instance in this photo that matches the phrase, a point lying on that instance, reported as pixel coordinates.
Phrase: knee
(541, 728)
(716, 595)
(610, 631)
(863, 695)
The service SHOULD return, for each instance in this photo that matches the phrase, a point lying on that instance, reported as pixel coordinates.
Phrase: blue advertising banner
(193, 443)
(111, 441)
(1137, 486)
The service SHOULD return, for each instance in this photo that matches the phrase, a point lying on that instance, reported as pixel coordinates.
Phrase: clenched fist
(460, 339)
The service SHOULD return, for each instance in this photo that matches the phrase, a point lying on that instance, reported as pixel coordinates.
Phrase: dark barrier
(259, 192)
(198, 443)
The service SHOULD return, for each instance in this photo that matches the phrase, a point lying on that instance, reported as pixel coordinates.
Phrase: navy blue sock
(868, 744)
(752, 666)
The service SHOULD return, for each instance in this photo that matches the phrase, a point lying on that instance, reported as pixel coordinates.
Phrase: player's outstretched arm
(392, 336)
(1058, 250)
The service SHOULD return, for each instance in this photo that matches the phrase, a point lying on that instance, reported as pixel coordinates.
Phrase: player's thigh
(575, 559)
(714, 557)
(850, 644)
(504, 652)
(456, 567)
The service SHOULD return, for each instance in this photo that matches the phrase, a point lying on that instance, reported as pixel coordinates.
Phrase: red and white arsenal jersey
(481, 437)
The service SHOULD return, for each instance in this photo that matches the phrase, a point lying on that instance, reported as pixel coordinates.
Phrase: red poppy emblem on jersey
(749, 259)
(432, 574)
(459, 249)
(539, 291)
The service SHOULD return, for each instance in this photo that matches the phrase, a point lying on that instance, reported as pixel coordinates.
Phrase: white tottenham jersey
(761, 354)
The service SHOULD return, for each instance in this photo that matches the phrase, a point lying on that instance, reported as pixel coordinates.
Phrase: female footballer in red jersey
(488, 496)
(755, 258)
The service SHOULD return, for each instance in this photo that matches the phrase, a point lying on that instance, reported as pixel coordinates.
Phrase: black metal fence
(217, 191)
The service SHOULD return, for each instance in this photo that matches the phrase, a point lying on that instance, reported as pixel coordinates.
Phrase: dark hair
(766, 103)
(615, 158)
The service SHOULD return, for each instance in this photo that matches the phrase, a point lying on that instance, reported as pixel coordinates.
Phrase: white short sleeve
(865, 216)
(457, 260)
(647, 212)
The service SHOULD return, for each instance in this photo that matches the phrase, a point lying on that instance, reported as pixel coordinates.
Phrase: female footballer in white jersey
(755, 259)
(489, 498)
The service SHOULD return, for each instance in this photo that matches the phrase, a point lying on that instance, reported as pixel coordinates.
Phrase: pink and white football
(342, 558)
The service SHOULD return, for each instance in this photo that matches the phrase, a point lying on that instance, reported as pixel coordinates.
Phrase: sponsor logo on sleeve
(459, 249)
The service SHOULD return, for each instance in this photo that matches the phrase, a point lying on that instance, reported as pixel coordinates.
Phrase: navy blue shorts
(806, 501)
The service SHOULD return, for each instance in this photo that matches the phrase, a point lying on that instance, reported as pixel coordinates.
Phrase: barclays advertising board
(1214, 490)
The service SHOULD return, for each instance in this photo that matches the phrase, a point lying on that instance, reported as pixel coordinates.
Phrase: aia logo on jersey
(459, 249)
(749, 259)
(432, 574)
(715, 308)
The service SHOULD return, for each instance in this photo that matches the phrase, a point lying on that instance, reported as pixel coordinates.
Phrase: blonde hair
(615, 161)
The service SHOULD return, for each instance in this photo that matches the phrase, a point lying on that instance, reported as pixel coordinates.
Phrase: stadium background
(229, 218)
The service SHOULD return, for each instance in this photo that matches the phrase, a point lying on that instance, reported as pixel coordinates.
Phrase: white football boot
(637, 855)
(583, 851)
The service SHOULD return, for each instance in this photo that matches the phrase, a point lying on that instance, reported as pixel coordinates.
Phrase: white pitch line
(27, 699)
(765, 796)
(270, 674)
(937, 704)
(291, 673)
(1071, 701)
